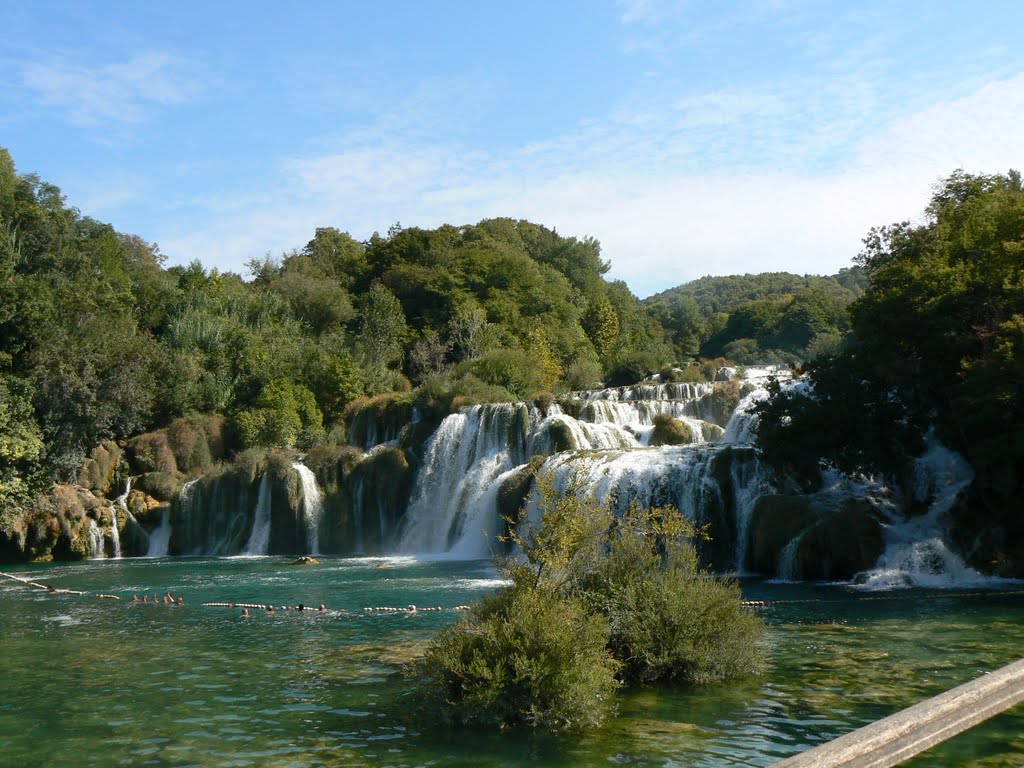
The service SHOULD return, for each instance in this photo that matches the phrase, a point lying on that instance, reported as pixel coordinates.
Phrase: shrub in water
(523, 656)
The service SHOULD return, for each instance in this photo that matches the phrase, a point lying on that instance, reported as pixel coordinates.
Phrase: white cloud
(661, 221)
(119, 92)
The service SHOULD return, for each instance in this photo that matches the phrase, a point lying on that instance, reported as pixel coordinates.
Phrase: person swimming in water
(245, 613)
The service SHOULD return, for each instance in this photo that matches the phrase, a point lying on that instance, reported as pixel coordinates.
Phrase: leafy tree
(937, 343)
(21, 447)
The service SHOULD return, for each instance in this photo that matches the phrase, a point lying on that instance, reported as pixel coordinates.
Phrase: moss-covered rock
(99, 469)
(711, 433)
(724, 399)
(833, 543)
(670, 431)
(378, 419)
(514, 491)
(561, 437)
(150, 452)
(162, 486)
(841, 543)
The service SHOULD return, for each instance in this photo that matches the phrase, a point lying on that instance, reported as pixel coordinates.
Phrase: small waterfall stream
(115, 535)
(259, 539)
(94, 541)
(312, 506)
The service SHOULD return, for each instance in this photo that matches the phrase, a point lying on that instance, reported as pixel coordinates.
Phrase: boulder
(834, 543)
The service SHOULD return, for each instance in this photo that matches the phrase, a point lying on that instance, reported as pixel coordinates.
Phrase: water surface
(88, 681)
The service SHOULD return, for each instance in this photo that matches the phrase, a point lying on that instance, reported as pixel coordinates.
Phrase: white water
(115, 535)
(452, 508)
(160, 539)
(122, 502)
(259, 538)
(916, 549)
(312, 506)
(94, 542)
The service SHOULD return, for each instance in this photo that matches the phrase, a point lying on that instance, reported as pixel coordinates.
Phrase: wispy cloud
(125, 91)
(661, 222)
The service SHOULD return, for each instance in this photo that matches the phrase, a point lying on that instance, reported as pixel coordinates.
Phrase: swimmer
(270, 610)
(181, 601)
(135, 599)
(323, 607)
(245, 613)
(300, 607)
(145, 598)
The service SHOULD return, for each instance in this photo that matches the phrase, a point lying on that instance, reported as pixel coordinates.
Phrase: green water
(98, 682)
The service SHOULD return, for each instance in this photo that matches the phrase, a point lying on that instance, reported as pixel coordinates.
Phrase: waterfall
(115, 535)
(122, 502)
(259, 538)
(94, 541)
(312, 506)
(916, 552)
(749, 482)
(160, 539)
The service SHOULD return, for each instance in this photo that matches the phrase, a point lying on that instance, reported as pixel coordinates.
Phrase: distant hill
(767, 317)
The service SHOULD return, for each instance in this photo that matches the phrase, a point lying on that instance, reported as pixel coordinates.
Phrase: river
(90, 681)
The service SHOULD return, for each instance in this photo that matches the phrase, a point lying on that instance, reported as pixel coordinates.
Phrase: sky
(689, 138)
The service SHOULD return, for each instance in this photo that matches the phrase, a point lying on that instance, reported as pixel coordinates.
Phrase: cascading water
(916, 552)
(94, 541)
(160, 539)
(259, 539)
(115, 535)
(454, 507)
(452, 504)
(312, 506)
(122, 502)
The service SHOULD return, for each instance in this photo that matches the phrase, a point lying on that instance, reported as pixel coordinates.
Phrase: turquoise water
(86, 681)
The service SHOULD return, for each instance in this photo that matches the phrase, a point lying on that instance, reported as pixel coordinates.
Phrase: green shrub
(521, 657)
(670, 431)
(671, 621)
(724, 399)
(591, 595)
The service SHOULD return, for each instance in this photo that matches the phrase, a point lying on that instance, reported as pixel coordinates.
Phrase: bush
(724, 400)
(591, 594)
(670, 431)
(671, 621)
(521, 657)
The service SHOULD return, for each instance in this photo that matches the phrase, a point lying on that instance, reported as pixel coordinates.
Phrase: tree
(937, 343)
(21, 447)
(382, 334)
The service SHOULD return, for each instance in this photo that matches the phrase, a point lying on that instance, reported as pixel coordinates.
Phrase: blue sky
(690, 138)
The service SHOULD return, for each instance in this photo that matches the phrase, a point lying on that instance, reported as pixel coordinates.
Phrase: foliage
(754, 319)
(937, 341)
(21, 448)
(626, 592)
(670, 431)
(521, 657)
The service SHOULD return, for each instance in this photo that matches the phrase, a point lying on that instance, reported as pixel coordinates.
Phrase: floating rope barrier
(887, 597)
(51, 589)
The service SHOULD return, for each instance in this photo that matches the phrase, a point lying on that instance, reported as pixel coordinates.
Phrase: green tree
(21, 447)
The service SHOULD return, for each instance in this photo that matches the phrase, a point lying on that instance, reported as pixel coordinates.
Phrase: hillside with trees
(772, 317)
(101, 340)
